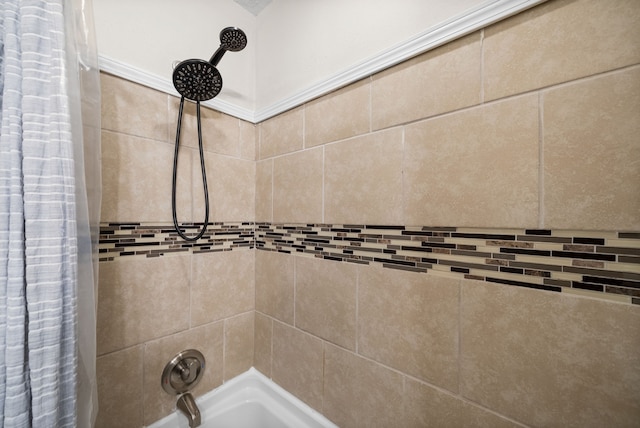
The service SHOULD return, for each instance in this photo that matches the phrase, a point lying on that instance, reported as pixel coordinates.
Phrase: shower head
(200, 80)
(197, 80)
(231, 39)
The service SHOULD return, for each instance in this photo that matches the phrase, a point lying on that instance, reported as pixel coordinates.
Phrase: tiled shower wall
(529, 125)
(150, 307)
(502, 161)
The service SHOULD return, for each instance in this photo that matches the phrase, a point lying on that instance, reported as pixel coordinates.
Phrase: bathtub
(250, 400)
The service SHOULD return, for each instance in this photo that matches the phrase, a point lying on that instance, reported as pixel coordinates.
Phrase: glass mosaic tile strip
(601, 264)
(156, 240)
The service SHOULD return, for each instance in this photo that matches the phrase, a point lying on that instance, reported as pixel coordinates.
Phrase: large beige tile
(264, 190)
(360, 393)
(297, 187)
(281, 134)
(275, 285)
(326, 300)
(425, 406)
(363, 179)
(248, 140)
(550, 360)
(263, 333)
(133, 109)
(338, 115)
(559, 41)
(591, 153)
(238, 344)
(477, 168)
(220, 132)
(298, 363)
(231, 185)
(208, 339)
(439, 81)
(119, 377)
(142, 299)
(409, 321)
(222, 285)
(136, 180)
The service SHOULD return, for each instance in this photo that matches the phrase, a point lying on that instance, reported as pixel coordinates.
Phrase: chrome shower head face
(197, 80)
(233, 39)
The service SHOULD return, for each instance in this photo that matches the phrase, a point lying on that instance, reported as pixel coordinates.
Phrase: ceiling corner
(253, 6)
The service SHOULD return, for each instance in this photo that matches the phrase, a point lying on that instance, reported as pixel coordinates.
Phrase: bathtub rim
(244, 384)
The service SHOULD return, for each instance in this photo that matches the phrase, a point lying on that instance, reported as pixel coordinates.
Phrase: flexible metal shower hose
(175, 175)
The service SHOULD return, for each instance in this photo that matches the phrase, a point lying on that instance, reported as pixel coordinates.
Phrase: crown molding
(475, 19)
(137, 75)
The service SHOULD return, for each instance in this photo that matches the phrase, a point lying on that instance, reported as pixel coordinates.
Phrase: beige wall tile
(238, 344)
(138, 300)
(338, 115)
(297, 363)
(136, 180)
(274, 285)
(360, 393)
(326, 300)
(425, 406)
(591, 152)
(207, 339)
(248, 140)
(133, 109)
(550, 360)
(220, 132)
(409, 321)
(439, 81)
(119, 377)
(231, 184)
(297, 187)
(263, 333)
(477, 168)
(222, 285)
(363, 179)
(264, 190)
(557, 42)
(281, 134)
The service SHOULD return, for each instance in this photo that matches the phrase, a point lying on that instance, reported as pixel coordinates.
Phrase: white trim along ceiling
(255, 107)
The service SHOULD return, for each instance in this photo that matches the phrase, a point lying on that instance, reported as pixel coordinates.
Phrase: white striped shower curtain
(47, 354)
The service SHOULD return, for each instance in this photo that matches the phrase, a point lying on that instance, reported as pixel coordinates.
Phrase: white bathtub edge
(251, 385)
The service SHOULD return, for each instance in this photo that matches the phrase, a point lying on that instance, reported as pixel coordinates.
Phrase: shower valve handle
(188, 369)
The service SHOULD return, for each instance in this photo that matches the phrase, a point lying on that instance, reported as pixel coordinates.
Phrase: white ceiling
(297, 49)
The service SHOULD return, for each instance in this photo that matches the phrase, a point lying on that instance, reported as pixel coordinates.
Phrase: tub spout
(188, 406)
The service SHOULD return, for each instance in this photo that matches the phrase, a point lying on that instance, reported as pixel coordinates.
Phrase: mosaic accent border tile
(603, 264)
(157, 239)
(598, 264)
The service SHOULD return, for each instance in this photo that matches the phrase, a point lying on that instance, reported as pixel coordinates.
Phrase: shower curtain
(49, 213)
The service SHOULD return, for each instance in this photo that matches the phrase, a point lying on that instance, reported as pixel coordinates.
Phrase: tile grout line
(304, 126)
(541, 213)
(324, 167)
(357, 309)
(403, 192)
(482, 66)
(460, 288)
(370, 104)
(295, 287)
(273, 196)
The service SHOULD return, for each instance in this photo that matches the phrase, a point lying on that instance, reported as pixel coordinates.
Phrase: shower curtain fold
(47, 288)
